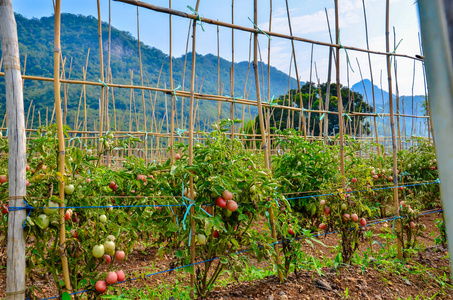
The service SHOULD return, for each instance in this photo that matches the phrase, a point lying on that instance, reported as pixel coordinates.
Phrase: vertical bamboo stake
(143, 91)
(173, 104)
(191, 129)
(232, 73)
(340, 101)
(371, 77)
(15, 263)
(264, 143)
(101, 57)
(397, 95)
(392, 123)
(301, 102)
(61, 145)
(219, 103)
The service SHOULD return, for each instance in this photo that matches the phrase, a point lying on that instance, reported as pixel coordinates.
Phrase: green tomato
(227, 213)
(109, 247)
(98, 251)
(344, 206)
(103, 218)
(51, 208)
(45, 221)
(201, 239)
(69, 189)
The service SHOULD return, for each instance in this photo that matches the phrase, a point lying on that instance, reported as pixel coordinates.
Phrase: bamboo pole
(207, 96)
(61, 144)
(172, 86)
(397, 95)
(141, 78)
(392, 124)
(264, 144)
(191, 129)
(232, 73)
(371, 77)
(101, 57)
(340, 101)
(15, 259)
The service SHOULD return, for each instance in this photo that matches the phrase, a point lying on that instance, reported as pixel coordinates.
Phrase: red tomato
(112, 185)
(227, 195)
(322, 226)
(177, 156)
(3, 179)
(107, 259)
(232, 205)
(291, 231)
(346, 217)
(111, 278)
(119, 255)
(215, 234)
(220, 202)
(326, 210)
(362, 221)
(101, 286)
(121, 275)
(354, 217)
(354, 180)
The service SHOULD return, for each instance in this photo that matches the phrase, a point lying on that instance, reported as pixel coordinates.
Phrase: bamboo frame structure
(265, 110)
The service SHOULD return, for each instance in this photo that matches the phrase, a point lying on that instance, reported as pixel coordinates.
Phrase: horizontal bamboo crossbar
(253, 30)
(211, 97)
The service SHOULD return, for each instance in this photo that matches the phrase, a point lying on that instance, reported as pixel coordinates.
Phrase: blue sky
(308, 21)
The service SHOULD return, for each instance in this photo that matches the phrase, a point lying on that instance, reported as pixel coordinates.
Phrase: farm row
(109, 210)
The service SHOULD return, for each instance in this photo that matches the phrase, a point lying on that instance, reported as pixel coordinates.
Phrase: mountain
(408, 105)
(79, 35)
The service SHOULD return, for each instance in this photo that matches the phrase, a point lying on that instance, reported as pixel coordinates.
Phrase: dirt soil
(366, 283)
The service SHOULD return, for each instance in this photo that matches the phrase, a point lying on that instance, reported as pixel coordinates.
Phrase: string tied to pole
(394, 50)
(345, 114)
(259, 30)
(199, 18)
(180, 131)
(345, 51)
(272, 102)
(322, 116)
(103, 83)
(174, 91)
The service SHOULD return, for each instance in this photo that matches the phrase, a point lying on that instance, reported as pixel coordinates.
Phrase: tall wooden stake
(61, 142)
(15, 262)
(340, 101)
(392, 124)
(191, 129)
(264, 143)
(101, 107)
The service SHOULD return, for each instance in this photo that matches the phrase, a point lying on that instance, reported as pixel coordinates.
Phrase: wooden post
(301, 102)
(61, 143)
(392, 125)
(173, 102)
(340, 101)
(143, 91)
(264, 143)
(15, 264)
(191, 129)
(101, 107)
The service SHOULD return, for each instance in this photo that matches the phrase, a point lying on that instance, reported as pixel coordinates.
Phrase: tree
(352, 102)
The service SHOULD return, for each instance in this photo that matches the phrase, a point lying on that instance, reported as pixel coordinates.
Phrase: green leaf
(66, 296)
